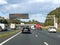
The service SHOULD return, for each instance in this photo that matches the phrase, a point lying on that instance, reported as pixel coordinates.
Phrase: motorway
(37, 37)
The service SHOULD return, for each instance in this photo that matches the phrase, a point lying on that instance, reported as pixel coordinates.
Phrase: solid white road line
(9, 38)
(45, 43)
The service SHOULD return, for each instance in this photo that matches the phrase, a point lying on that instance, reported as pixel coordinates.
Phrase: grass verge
(58, 30)
(8, 33)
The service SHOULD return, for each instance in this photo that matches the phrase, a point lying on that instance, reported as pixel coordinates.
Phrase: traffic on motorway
(29, 22)
(33, 35)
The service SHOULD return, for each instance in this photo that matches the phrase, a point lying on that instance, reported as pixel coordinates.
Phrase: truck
(12, 26)
(3, 27)
(38, 26)
(22, 24)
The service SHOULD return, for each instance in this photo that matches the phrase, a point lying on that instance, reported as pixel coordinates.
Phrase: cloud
(32, 7)
(56, 2)
(10, 7)
(3, 2)
(35, 1)
(44, 1)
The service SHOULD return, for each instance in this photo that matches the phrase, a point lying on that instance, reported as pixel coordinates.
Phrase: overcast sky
(37, 9)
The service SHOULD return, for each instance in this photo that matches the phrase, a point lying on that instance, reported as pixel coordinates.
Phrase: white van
(12, 26)
(3, 27)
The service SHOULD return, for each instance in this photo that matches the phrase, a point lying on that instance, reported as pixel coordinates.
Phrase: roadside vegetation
(8, 33)
(58, 30)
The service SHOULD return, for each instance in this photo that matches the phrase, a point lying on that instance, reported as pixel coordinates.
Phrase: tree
(3, 21)
(14, 21)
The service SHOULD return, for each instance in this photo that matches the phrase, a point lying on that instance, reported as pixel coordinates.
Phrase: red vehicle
(38, 26)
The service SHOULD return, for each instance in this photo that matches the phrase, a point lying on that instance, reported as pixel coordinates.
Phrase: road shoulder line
(9, 38)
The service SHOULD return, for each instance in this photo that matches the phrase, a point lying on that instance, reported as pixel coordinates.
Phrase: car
(32, 27)
(26, 29)
(52, 29)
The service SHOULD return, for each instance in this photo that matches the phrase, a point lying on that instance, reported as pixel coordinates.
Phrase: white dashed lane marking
(36, 35)
(45, 43)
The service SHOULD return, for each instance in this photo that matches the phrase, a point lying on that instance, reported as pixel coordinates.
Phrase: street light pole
(55, 22)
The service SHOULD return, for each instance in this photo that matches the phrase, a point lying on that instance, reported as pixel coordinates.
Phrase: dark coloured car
(26, 29)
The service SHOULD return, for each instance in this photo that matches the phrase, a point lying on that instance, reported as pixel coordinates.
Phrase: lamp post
(55, 22)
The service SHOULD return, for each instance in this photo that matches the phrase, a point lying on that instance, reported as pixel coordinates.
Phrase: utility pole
(55, 22)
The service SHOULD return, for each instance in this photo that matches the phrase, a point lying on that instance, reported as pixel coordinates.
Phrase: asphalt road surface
(37, 37)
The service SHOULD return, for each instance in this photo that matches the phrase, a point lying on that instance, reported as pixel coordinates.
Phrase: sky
(37, 9)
